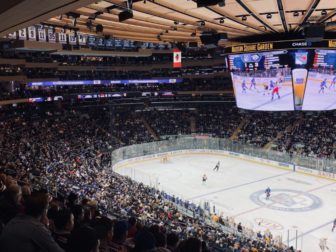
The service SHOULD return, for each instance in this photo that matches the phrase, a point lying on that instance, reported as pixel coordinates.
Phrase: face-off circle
(287, 200)
(269, 224)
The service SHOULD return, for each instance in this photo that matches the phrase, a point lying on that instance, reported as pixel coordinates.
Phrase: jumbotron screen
(285, 80)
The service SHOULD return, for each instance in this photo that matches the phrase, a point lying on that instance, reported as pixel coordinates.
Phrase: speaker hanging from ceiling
(205, 3)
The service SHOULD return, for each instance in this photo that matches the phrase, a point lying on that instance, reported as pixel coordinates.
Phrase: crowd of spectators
(263, 127)
(310, 135)
(67, 153)
(220, 122)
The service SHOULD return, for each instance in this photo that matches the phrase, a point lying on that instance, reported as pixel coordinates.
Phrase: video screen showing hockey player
(269, 90)
(320, 93)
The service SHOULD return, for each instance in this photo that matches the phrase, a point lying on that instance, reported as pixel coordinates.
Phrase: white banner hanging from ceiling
(32, 33)
(72, 38)
(23, 34)
(41, 33)
(51, 36)
(81, 39)
(62, 38)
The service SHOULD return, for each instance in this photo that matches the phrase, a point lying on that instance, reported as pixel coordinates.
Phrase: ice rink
(298, 202)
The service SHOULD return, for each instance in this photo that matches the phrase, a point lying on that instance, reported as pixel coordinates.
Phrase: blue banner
(102, 82)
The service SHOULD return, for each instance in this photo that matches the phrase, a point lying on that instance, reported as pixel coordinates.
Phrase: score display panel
(284, 80)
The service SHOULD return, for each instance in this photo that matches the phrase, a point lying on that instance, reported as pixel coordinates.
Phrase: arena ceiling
(169, 20)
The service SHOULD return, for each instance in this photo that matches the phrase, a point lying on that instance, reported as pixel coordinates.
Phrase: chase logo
(302, 44)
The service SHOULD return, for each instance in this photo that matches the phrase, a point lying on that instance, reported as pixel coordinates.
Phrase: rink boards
(267, 162)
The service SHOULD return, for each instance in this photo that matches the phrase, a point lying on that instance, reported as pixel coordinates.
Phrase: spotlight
(324, 13)
(221, 21)
(202, 23)
(296, 14)
(244, 18)
(269, 16)
(176, 22)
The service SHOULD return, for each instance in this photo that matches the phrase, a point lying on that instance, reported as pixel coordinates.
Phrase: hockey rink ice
(298, 203)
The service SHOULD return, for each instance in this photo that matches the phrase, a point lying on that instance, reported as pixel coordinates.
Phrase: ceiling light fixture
(269, 16)
(221, 21)
(324, 13)
(244, 18)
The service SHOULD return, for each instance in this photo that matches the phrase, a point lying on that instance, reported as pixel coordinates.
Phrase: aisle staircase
(193, 127)
(288, 129)
(150, 129)
(242, 124)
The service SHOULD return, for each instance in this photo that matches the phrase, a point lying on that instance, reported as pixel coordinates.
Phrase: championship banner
(12, 35)
(41, 33)
(81, 39)
(51, 36)
(32, 33)
(72, 39)
(62, 38)
(23, 34)
(177, 58)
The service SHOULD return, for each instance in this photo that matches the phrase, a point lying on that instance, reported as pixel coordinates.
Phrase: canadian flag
(177, 58)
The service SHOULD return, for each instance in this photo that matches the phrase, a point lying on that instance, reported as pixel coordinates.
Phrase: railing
(204, 142)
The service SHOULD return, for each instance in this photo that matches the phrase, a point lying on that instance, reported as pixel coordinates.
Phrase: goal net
(164, 159)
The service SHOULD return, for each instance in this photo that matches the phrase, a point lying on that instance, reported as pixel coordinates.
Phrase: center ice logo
(287, 200)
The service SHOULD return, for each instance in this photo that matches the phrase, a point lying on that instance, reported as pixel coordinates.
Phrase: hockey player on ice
(323, 85)
(333, 83)
(268, 192)
(275, 90)
(204, 178)
(244, 87)
(253, 84)
(323, 244)
(334, 226)
(217, 166)
(266, 89)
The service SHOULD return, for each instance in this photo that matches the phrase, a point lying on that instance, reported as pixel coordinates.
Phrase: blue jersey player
(268, 192)
(253, 84)
(333, 83)
(244, 87)
(323, 85)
